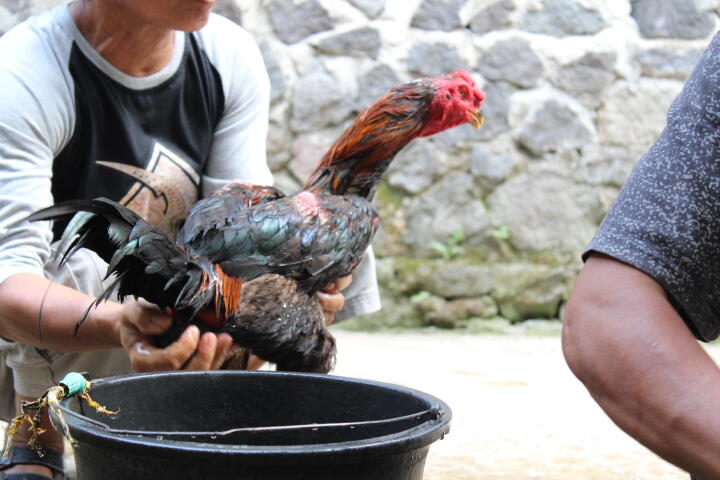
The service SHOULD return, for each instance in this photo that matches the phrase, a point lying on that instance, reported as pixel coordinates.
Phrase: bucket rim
(417, 437)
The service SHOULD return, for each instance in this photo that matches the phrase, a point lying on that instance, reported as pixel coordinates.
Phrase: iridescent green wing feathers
(280, 237)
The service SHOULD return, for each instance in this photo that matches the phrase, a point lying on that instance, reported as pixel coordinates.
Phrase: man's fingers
(148, 318)
(343, 282)
(211, 353)
(153, 323)
(204, 354)
(338, 285)
(331, 302)
(179, 352)
(224, 343)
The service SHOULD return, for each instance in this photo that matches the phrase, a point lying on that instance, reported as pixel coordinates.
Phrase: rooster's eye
(463, 92)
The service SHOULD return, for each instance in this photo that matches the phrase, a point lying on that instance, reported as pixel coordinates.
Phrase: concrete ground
(518, 412)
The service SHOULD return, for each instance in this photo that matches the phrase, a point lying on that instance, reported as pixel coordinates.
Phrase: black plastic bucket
(253, 425)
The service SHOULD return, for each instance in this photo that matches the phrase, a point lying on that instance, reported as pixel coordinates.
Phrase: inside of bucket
(265, 409)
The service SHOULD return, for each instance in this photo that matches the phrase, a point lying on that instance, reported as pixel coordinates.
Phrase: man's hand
(331, 300)
(141, 321)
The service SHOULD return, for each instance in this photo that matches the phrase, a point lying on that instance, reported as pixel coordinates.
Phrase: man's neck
(133, 47)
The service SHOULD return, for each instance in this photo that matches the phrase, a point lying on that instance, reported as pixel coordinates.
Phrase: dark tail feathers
(147, 263)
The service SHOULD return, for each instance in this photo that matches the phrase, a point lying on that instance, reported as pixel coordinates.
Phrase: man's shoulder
(42, 34)
(36, 51)
(232, 50)
(35, 83)
(228, 34)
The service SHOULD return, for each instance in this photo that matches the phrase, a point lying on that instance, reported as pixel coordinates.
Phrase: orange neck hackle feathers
(424, 107)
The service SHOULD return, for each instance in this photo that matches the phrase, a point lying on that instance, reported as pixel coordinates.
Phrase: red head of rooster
(456, 101)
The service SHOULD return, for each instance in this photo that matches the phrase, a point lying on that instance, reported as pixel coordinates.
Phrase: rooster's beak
(475, 118)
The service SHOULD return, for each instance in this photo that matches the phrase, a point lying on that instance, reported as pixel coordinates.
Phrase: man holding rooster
(151, 104)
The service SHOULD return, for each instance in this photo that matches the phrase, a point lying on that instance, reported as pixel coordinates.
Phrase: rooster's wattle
(258, 257)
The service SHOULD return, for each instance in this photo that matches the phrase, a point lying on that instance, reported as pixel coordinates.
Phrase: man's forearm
(33, 314)
(638, 359)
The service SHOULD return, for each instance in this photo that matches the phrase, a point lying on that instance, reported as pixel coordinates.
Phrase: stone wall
(479, 227)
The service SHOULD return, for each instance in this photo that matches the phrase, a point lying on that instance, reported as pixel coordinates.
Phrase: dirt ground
(518, 413)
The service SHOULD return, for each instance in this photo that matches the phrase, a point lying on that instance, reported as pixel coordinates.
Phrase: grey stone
(37, 6)
(563, 17)
(494, 325)
(512, 60)
(7, 19)
(278, 86)
(459, 138)
(286, 183)
(228, 9)
(375, 83)
(278, 161)
(385, 270)
(497, 16)
(278, 146)
(13, 5)
(525, 291)
(606, 165)
(307, 150)
(429, 59)
(438, 15)
(417, 167)
(372, 8)
(361, 42)
(688, 19)
(455, 279)
(318, 100)
(442, 313)
(395, 313)
(588, 77)
(666, 62)
(544, 211)
(447, 279)
(278, 139)
(554, 127)
(481, 307)
(389, 240)
(293, 21)
(491, 168)
(495, 109)
(435, 312)
(450, 205)
(634, 113)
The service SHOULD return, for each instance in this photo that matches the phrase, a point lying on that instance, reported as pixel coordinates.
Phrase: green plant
(502, 237)
(502, 233)
(420, 297)
(452, 248)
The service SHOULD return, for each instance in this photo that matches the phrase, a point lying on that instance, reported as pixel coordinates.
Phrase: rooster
(256, 257)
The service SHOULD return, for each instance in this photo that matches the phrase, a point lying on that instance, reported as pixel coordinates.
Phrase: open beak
(476, 118)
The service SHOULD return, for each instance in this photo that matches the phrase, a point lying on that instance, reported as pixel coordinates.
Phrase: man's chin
(195, 24)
